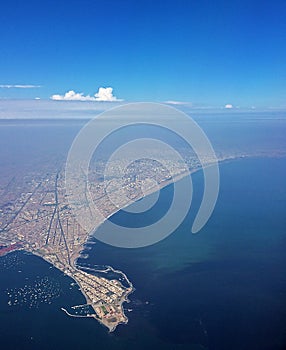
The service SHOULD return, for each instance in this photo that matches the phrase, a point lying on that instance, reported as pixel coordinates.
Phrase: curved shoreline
(162, 185)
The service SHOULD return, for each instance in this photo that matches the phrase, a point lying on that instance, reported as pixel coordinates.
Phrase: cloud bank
(49, 109)
(18, 86)
(102, 95)
(228, 106)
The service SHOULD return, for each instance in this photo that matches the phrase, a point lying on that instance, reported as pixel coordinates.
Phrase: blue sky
(208, 53)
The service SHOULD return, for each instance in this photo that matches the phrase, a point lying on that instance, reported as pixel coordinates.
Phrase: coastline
(159, 187)
(158, 268)
(81, 248)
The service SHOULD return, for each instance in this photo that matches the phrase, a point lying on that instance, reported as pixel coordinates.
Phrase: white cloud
(18, 86)
(103, 94)
(171, 102)
(72, 96)
(228, 106)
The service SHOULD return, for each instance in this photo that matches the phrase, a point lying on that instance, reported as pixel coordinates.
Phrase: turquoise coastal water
(224, 288)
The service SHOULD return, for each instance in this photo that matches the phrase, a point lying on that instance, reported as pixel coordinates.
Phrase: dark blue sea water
(224, 288)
